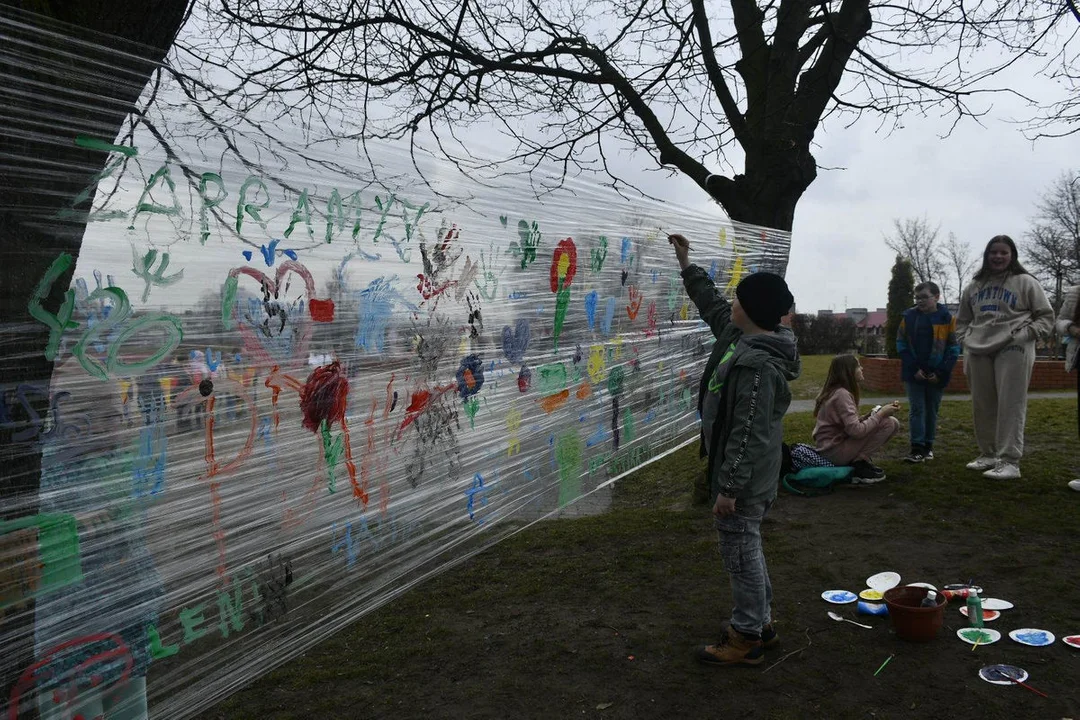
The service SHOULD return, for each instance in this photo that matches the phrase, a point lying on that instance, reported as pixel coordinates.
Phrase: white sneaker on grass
(1004, 471)
(1075, 485)
(983, 462)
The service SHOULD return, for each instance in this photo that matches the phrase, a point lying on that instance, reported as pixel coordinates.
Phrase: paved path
(798, 406)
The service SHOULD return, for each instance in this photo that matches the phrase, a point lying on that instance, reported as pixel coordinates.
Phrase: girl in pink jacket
(842, 435)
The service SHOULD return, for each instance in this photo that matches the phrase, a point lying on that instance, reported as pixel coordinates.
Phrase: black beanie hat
(765, 299)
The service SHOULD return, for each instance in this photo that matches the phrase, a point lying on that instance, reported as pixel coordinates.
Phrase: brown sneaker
(734, 648)
(769, 638)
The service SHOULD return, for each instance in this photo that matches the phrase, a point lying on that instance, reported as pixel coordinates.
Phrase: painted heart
(517, 342)
(276, 322)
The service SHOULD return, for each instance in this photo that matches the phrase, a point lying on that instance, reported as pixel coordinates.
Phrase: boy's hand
(682, 249)
(723, 506)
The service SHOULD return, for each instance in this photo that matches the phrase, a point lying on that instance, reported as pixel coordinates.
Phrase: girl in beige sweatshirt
(1003, 311)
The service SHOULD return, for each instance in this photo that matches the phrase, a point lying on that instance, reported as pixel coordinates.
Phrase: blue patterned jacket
(944, 349)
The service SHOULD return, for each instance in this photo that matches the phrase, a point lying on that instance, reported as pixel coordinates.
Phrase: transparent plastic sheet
(291, 378)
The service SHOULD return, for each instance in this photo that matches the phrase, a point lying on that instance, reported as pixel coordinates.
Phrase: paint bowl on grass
(910, 620)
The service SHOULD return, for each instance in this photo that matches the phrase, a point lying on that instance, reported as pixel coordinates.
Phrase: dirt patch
(600, 617)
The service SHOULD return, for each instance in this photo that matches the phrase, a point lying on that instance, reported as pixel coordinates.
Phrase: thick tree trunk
(767, 193)
(68, 70)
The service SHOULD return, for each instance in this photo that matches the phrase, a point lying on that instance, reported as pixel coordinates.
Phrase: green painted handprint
(598, 254)
(530, 241)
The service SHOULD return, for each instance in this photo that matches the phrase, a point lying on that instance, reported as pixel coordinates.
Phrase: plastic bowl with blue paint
(839, 597)
(1033, 637)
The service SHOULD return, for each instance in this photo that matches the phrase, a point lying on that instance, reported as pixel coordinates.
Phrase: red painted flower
(563, 264)
(324, 396)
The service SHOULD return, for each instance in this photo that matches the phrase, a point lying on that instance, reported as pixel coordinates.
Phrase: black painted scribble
(272, 580)
(433, 341)
(274, 310)
(476, 322)
(615, 423)
(435, 433)
(438, 261)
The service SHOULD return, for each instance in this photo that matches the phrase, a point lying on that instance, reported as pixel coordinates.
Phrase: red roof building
(869, 326)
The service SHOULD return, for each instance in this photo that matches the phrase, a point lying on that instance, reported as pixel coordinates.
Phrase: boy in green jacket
(742, 400)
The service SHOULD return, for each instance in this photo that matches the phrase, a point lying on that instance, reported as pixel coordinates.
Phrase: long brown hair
(1015, 268)
(841, 377)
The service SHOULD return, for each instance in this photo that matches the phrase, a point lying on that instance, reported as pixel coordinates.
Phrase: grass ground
(814, 370)
(599, 616)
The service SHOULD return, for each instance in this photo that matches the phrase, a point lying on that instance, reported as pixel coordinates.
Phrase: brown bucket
(910, 620)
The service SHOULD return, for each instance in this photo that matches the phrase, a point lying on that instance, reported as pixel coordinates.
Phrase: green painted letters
(191, 619)
(61, 321)
(208, 203)
(243, 207)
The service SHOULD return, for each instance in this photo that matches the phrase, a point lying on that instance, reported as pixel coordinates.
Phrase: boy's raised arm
(712, 306)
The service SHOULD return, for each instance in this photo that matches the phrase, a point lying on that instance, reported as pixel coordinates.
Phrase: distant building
(869, 327)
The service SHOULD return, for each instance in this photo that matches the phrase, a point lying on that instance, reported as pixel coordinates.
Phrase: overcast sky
(981, 181)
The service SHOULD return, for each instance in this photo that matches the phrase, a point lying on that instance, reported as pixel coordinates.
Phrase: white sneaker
(1004, 471)
(983, 462)
(929, 455)
(1075, 485)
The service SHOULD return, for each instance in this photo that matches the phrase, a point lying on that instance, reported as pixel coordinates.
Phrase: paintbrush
(1007, 676)
(883, 665)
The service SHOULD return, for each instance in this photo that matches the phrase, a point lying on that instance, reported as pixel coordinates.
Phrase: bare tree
(689, 84)
(1058, 212)
(956, 257)
(916, 241)
(1062, 118)
(1051, 254)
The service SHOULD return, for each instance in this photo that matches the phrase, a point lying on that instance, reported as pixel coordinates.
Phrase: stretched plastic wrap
(260, 379)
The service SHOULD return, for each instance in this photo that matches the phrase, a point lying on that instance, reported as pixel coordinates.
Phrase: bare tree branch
(916, 241)
(695, 85)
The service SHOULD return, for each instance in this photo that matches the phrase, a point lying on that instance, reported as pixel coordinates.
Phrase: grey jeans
(744, 560)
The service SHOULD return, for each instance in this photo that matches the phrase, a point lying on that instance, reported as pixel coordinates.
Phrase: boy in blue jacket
(926, 341)
(743, 397)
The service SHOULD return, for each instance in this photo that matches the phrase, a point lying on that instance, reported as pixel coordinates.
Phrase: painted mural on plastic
(290, 382)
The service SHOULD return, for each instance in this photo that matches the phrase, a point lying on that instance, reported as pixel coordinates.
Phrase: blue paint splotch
(599, 437)
(1034, 637)
(609, 316)
(839, 596)
(376, 306)
(590, 308)
(151, 450)
(477, 498)
(516, 343)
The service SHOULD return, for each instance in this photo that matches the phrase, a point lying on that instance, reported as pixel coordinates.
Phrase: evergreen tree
(901, 297)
